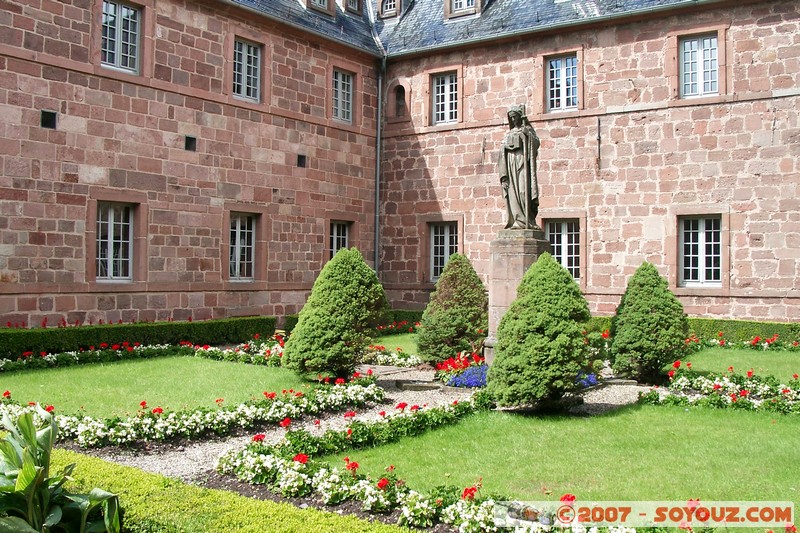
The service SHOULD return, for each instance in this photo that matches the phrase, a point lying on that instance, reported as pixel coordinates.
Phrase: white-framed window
(445, 98)
(565, 240)
(444, 243)
(460, 5)
(388, 7)
(699, 66)
(339, 236)
(121, 29)
(342, 95)
(114, 260)
(322, 4)
(247, 70)
(354, 5)
(700, 251)
(242, 246)
(562, 82)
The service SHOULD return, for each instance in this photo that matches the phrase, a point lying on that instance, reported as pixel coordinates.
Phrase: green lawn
(781, 364)
(406, 341)
(174, 383)
(638, 453)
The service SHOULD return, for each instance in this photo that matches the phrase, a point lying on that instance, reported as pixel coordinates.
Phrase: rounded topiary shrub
(456, 317)
(540, 346)
(649, 328)
(337, 322)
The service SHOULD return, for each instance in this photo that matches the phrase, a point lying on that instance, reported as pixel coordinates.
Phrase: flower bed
(464, 370)
(157, 424)
(378, 354)
(726, 390)
(289, 469)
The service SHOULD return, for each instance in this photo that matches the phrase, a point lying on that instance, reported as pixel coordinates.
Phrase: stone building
(168, 159)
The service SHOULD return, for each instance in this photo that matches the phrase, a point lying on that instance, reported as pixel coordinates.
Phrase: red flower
(352, 466)
(356, 375)
(786, 391)
(157, 410)
(791, 528)
(298, 394)
(750, 373)
(327, 380)
(339, 381)
(31, 403)
(606, 334)
(349, 432)
(49, 408)
(269, 395)
(382, 483)
(285, 422)
(219, 400)
(744, 393)
(469, 493)
(671, 373)
(455, 402)
(350, 414)
(717, 386)
(382, 413)
(676, 364)
(734, 397)
(300, 458)
(722, 343)
(794, 376)
(7, 394)
(257, 336)
(730, 368)
(755, 340)
(259, 437)
(402, 406)
(115, 347)
(415, 408)
(369, 371)
(688, 365)
(316, 422)
(104, 345)
(143, 404)
(719, 334)
(568, 498)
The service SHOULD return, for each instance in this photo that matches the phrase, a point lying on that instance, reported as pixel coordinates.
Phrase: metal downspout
(378, 117)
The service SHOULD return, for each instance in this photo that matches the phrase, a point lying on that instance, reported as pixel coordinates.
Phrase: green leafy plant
(31, 500)
(540, 348)
(337, 322)
(649, 329)
(456, 317)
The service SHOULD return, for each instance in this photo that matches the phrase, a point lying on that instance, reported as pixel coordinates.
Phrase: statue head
(516, 111)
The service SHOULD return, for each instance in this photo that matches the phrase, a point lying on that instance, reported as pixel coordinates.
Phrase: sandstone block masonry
(627, 164)
(125, 138)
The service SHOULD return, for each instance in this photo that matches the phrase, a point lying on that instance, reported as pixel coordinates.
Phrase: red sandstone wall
(659, 157)
(121, 137)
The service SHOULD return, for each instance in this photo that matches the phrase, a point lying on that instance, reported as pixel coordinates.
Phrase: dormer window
(325, 6)
(458, 8)
(353, 6)
(389, 8)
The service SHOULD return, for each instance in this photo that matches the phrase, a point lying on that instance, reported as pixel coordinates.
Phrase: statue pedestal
(512, 253)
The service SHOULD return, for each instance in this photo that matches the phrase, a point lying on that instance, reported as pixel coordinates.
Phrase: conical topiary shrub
(337, 322)
(649, 328)
(540, 346)
(456, 317)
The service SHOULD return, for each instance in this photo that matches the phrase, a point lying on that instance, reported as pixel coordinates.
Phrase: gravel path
(190, 462)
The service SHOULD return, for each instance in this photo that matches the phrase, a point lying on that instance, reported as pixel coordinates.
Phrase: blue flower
(473, 376)
(585, 380)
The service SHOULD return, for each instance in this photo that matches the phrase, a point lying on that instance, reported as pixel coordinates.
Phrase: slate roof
(422, 27)
(347, 28)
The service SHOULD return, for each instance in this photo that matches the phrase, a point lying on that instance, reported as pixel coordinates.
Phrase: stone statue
(517, 166)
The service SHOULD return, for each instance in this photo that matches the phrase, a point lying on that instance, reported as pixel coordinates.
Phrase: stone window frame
(259, 78)
(238, 32)
(451, 12)
(147, 30)
(703, 255)
(139, 268)
(674, 254)
(389, 13)
(235, 263)
(342, 98)
(431, 75)
(391, 101)
(263, 231)
(540, 108)
(578, 218)
(357, 87)
(329, 7)
(673, 64)
(353, 231)
(358, 10)
(424, 259)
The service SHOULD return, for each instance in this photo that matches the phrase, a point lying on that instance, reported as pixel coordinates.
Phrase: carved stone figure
(517, 168)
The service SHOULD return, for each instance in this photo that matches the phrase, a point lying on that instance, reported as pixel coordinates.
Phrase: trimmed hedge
(14, 342)
(155, 504)
(395, 315)
(709, 328)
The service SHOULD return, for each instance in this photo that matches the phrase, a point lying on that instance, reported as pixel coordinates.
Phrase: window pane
(445, 98)
(246, 70)
(342, 96)
(242, 246)
(699, 66)
(562, 82)
(119, 44)
(114, 244)
(565, 241)
(701, 251)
